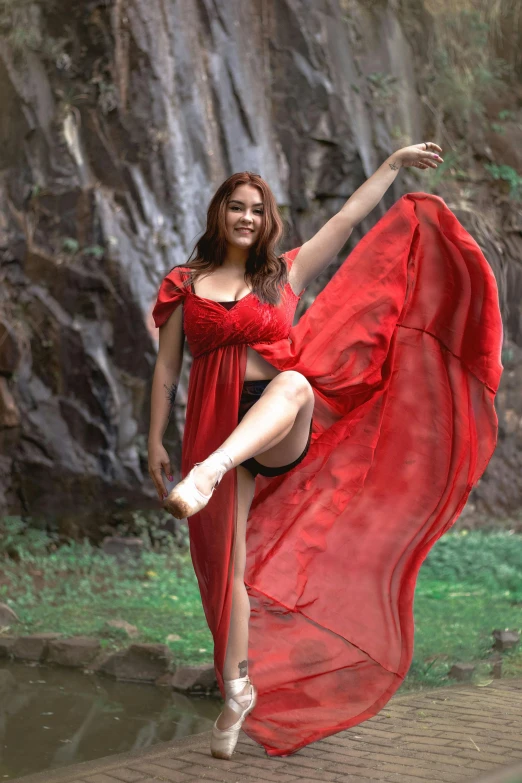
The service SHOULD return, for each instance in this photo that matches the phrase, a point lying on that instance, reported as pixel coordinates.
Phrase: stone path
(460, 733)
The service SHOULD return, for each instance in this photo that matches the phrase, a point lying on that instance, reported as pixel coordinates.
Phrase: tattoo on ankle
(243, 668)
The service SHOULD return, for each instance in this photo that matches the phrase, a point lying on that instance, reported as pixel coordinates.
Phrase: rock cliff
(119, 120)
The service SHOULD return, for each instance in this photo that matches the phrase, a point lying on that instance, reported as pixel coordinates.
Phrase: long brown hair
(265, 271)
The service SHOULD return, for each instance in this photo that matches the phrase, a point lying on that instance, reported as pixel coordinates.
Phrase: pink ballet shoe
(224, 741)
(185, 499)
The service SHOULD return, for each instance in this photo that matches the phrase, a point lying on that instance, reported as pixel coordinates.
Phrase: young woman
(349, 443)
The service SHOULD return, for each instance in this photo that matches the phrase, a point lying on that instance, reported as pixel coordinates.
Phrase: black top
(229, 305)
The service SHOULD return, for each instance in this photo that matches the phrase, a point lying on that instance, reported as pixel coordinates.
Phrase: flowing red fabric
(402, 349)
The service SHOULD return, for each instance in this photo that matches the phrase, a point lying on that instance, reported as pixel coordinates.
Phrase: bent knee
(296, 385)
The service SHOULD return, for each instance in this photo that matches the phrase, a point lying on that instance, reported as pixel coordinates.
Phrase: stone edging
(144, 663)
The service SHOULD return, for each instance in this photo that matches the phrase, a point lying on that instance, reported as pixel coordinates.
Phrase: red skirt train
(402, 349)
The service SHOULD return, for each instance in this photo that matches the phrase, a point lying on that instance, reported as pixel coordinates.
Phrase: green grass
(470, 584)
(77, 588)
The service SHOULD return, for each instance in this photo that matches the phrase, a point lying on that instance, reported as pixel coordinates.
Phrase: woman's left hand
(423, 156)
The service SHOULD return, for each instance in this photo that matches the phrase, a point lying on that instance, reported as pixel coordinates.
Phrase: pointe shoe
(223, 741)
(185, 499)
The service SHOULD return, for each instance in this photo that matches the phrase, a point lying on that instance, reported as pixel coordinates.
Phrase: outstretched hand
(423, 156)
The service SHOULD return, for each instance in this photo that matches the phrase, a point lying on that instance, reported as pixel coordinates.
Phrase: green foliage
(22, 38)
(492, 561)
(383, 86)
(71, 97)
(509, 175)
(70, 245)
(469, 584)
(20, 24)
(507, 355)
(36, 190)
(18, 536)
(397, 132)
(506, 114)
(94, 250)
(150, 528)
(463, 69)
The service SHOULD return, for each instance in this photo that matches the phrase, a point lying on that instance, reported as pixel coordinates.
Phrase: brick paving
(460, 733)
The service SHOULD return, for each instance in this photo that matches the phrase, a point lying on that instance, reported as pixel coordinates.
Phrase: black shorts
(252, 391)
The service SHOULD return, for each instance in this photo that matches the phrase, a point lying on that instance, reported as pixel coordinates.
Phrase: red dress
(402, 349)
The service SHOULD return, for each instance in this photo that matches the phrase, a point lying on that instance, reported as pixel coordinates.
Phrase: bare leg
(236, 659)
(280, 418)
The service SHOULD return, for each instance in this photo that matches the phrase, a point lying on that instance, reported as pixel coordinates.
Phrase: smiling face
(244, 216)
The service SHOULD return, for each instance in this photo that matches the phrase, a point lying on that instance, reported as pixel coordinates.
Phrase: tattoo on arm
(393, 166)
(171, 395)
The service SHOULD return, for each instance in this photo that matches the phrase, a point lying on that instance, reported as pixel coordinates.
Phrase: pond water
(52, 717)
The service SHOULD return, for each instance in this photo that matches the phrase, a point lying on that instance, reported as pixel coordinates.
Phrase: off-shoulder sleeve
(171, 294)
(290, 256)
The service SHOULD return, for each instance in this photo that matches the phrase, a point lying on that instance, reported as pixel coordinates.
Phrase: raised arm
(319, 251)
(164, 387)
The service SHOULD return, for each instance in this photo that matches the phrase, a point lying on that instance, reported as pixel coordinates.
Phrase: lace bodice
(209, 324)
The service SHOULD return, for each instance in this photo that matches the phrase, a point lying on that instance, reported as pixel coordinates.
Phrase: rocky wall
(120, 118)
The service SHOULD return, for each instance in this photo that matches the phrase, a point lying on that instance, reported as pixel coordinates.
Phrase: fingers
(430, 159)
(427, 154)
(431, 147)
(167, 469)
(155, 474)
